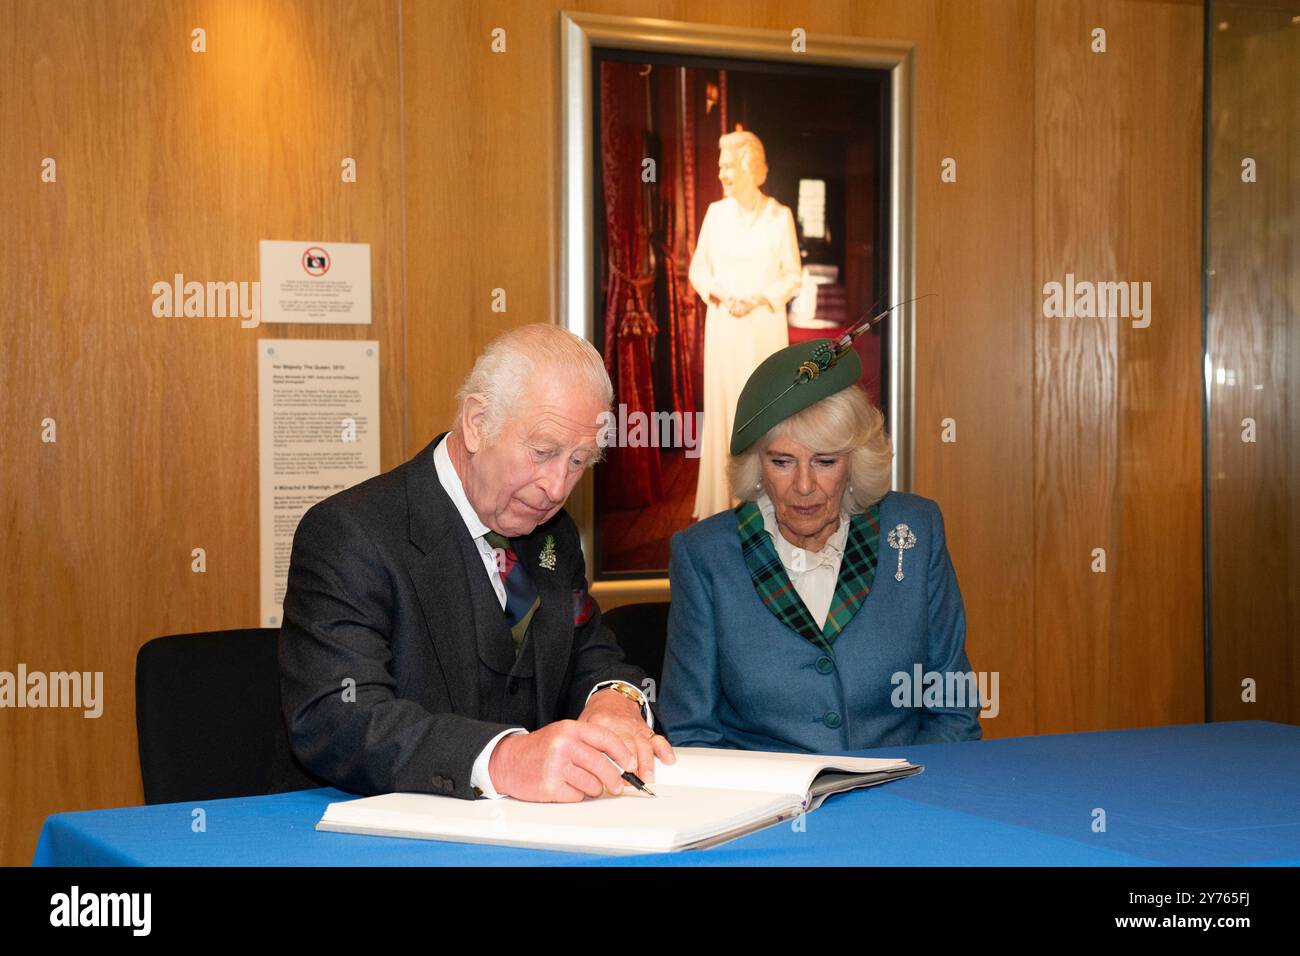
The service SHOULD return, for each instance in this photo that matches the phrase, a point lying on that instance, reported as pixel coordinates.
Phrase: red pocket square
(583, 608)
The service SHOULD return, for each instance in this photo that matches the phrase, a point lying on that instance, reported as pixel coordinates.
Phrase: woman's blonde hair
(845, 422)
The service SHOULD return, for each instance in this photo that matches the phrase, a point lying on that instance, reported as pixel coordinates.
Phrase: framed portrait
(725, 193)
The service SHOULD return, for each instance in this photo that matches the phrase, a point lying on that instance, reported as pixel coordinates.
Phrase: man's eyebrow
(591, 451)
(541, 432)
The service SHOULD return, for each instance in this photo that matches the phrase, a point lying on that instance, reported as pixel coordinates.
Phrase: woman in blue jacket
(803, 619)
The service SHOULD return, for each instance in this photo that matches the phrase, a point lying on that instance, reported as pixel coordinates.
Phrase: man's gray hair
(506, 367)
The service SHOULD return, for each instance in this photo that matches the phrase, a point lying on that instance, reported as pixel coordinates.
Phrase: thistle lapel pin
(901, 538)
(547, 558)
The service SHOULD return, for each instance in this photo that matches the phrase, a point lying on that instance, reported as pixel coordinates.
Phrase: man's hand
(609, 708)
(560, 763)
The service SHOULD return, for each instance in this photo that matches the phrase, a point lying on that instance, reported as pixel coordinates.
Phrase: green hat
(789, 381)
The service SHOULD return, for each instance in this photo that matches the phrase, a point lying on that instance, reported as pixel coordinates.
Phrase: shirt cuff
(646, 712)
(478, 776)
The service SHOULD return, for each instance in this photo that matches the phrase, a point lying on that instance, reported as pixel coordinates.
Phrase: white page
(758, 770)
(631, 822)
(318, 433)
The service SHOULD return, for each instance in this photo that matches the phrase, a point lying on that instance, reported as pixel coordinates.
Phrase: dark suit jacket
(379, 591)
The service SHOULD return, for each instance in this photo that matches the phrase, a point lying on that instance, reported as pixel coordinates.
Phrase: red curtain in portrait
(632, 477)
(678, 341)
(704, 125)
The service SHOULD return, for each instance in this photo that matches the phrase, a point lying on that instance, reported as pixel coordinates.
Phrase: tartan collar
(776, 590)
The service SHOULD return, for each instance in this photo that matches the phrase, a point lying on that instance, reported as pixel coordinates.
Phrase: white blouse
(813, 573)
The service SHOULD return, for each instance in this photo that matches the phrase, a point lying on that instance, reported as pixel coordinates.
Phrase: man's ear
(472, 421)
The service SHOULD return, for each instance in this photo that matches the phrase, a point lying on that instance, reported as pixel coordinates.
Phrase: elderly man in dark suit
(437, 627)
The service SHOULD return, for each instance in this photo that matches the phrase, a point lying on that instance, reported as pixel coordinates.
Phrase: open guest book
(707, 797)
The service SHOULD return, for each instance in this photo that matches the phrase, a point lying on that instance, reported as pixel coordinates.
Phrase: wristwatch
(631, 692)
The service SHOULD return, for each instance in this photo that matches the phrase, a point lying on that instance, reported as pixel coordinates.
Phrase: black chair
(207, 710)
(642, 632)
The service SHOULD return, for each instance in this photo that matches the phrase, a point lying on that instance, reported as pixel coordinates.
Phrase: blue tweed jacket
(735, 676)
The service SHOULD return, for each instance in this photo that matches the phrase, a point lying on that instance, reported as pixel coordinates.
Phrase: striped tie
(521, 596)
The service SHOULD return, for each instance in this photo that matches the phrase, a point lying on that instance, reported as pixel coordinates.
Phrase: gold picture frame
(580, 33)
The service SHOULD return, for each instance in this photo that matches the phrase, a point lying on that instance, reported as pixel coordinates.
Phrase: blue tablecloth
(1194, 795)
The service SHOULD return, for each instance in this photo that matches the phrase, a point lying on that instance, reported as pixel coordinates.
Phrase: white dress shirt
(450, 481)
(813, 573)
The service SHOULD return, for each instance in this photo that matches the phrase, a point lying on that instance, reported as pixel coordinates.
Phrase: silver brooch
(901, 538)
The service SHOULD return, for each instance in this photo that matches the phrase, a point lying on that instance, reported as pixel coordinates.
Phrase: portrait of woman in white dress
(760, 227)
(746, 267)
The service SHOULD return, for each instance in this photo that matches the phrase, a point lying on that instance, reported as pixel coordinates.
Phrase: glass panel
(1252, 361)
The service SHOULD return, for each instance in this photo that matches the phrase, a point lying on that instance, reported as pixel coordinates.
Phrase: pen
(630, 777)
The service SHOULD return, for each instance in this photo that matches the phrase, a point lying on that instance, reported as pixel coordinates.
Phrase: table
(1217, 794)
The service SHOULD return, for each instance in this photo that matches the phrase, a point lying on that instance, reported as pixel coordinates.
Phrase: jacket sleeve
(701, 271)
(946, 644)
(345, 721)
(692, 689)
(596, 655)
(789, 264)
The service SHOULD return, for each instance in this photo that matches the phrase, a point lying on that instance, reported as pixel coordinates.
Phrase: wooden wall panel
(1158, 672)
(974, 342)
(168, 161)
(1117, 409)
(480, 151)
